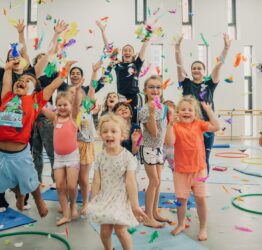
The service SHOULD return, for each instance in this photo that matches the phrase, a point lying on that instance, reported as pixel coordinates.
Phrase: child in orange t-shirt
(185, 131)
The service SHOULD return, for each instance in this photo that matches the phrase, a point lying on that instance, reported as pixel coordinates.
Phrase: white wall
(210, 18)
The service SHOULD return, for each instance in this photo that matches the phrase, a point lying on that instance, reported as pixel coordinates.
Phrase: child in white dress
(114, 202)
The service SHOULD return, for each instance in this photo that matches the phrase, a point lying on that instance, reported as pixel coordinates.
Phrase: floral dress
(111, 205)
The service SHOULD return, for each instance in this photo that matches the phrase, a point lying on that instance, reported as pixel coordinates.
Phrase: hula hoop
(68, 247)
(245, 209)
(231, 155)
(252, 162)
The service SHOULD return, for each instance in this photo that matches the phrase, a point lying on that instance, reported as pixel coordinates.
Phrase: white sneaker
(27, 207)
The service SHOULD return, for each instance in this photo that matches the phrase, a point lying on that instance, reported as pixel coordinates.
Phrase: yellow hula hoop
(248, 161)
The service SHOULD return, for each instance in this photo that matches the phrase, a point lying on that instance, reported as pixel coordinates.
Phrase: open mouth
(111, 101)
(20, 86)
(109, 141)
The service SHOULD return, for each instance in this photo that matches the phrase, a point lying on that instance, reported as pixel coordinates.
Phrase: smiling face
(186, 112)
(111, 134)
(64, 107)
(128, 53)
(198, 71)
(112, 100)
(124, 112)
(24, 86)
(76, 76)
(153, 88)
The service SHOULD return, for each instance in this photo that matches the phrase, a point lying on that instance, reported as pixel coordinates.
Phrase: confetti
(166, 82)
(244, 229)
(18, 244)
(157, 102)
(131, 230)
(202, 179)
(172, 11)
(145, 70)
(204, 40)
(153, 236)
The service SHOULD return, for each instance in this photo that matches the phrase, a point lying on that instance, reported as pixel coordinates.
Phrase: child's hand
(151, 107)
(68, 65)
(20, 26)
(139, 214)
(227, 41)
(135, 135)
(60, 27)
(9, 65)
(206, 106)
(96, 110)
(79, 85)
(101, 26)
(97, 66)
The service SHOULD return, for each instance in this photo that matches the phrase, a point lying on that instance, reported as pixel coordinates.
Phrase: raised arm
(170, 137)
(42, 63)
(7, 78)
(92, 90)
(49, 114)
(143, 49)
(20, 29)
(215, 75)
(213, 122)
(103, 32)
(181, 73)
(151, 123)
(49, 90)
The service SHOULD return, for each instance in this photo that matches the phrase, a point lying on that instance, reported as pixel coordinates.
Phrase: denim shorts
(17, 169)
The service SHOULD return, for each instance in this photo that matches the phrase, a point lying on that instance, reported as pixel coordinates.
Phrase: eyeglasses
(154, 87)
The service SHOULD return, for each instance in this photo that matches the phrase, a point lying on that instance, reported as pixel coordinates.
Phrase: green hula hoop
(39, 233)
(247, 160)
(245, 209)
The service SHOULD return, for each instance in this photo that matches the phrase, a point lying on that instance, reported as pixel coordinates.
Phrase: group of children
(128, 129)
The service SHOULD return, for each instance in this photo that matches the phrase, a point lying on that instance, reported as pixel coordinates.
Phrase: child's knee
(120, 231)
(106, 232)
(154, 181)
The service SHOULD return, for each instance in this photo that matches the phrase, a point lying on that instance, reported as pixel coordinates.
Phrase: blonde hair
(191, 100)
(66, 95)
(153, 77)
(118, 120)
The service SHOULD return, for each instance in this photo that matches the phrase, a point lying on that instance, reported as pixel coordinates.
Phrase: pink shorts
(185, 182)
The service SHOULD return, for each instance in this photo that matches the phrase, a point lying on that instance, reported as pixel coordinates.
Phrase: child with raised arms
(185, 131)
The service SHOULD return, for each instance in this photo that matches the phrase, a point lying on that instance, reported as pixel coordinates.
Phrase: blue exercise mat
(165, 199)
(51, 195)
(11, 218)
(165, 241)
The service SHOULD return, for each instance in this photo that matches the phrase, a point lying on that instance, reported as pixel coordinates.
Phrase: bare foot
(153, 223)
(178, 230)
(41, 207)
(84, 210)
(161, 219)
(20, 202)
(62, 221)
(202, 234)
(74, 213)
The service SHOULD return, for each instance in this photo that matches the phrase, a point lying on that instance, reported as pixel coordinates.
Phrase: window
(231, 18)
(187, 18)
(141, 8)
(203, 55)
(248, 85)
(157, 58)
(31, 19)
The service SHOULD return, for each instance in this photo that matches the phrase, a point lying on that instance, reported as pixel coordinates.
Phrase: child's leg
(150, 196)
(72, 174)
(84, 186)
(202, 214)
(105, 234)
(181, 214)
(60, 179)
(40, 204)
(123, 236)
(20, 198)
(156, 199)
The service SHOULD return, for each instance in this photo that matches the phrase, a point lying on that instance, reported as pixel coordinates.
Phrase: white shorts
(151, 156)
(71, 160)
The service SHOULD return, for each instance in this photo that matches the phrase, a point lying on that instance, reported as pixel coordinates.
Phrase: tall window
(31, 19)
(141, 10)
(157, 58)
(231, 18)
(203, 55)
(187, 18)
(248, 90)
